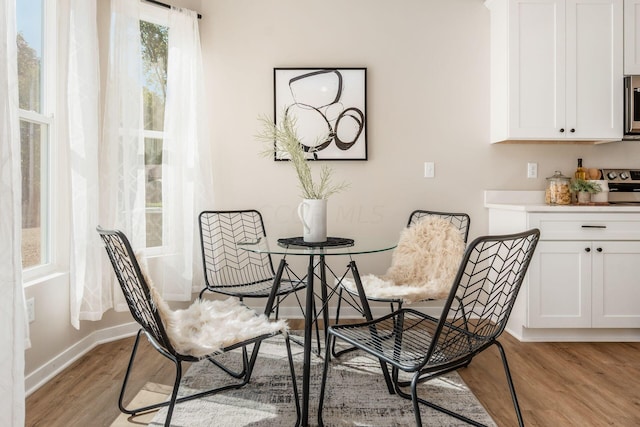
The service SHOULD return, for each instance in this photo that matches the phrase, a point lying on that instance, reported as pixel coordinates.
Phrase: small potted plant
(584, 189)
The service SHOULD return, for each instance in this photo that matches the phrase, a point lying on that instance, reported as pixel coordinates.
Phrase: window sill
(44, 278)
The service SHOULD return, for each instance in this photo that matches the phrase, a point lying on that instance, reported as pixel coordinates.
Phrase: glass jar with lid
(558, 190)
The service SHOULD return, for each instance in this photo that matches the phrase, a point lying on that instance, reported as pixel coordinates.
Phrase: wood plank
(558, 384)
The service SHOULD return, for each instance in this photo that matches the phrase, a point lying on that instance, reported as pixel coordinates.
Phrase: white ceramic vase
(313, 214)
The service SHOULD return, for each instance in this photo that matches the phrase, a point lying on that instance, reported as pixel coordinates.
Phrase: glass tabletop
(359, 245)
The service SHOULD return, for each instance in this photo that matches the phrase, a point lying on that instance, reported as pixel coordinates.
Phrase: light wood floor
(558, 384)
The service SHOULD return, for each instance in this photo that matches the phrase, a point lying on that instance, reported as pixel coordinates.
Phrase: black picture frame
(330, 108)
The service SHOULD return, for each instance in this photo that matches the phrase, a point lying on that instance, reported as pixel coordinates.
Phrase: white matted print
(329, 106)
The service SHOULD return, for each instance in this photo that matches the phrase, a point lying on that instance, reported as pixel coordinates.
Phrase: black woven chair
(474, 316)
(144, 310)
(460, 220)
(231, 271)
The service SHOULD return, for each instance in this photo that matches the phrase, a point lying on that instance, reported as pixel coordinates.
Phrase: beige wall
(428, 84)
(428, 87)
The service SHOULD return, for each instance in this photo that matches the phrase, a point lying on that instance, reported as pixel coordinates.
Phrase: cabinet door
(536, 69)
(560, 285)
(632, 37)
(594, 59)
(616, 285)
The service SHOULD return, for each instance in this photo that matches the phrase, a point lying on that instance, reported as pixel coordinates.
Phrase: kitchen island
(583, 283)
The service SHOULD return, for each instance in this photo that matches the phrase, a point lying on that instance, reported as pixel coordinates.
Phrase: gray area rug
(356, 395)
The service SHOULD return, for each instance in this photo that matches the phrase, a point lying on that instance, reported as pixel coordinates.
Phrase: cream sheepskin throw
(423, 266)
(208, 326)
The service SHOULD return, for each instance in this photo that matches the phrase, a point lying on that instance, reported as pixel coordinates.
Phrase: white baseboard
(574, 335)
(46, 372)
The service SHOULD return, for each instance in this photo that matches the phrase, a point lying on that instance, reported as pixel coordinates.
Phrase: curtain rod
(168, 6)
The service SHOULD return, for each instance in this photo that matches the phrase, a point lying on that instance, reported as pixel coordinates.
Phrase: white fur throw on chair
(207, 326)
(423, 266)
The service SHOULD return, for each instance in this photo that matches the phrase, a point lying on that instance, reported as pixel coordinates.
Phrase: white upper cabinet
(556, 70)
(632, 37)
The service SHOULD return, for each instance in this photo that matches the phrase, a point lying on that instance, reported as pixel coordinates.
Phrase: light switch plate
(532, 170)
(429, 170)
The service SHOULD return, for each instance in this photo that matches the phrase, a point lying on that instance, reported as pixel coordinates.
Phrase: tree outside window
(34, 133)
(154, 45)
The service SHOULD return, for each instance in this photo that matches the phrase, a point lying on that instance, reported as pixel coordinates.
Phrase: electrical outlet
(31, 309)
(532, 170)
(429, 170)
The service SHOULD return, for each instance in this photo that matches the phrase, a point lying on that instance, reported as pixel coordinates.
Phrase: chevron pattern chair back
(225, 264)
(462, 221)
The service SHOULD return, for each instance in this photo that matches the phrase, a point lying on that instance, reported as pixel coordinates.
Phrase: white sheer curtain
(87, 301)
(122, 171)
(186, 179)
(186, 174)
(13, 326)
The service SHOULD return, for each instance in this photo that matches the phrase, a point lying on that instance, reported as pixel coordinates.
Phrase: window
(154, 47)
(35, 67)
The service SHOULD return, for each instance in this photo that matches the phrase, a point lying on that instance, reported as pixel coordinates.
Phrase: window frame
(160, 16)
(51, 245)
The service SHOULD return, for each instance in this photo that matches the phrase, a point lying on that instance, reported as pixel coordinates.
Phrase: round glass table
(316, 253)
(333, 246)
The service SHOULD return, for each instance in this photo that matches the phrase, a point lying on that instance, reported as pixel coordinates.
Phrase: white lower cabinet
(584, 284)
(615, 285)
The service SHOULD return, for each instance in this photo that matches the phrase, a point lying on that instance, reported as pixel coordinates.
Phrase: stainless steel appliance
(632, 107)
(624, 185)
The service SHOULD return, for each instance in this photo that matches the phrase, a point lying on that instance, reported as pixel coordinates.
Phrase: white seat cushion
(423, 266)
(207, 326)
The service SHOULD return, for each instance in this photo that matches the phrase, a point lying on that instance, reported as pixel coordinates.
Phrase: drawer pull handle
(587, 249)
(594, 226)
(599, 249)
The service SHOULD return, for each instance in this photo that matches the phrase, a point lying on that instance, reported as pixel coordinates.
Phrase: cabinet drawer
(586, 226)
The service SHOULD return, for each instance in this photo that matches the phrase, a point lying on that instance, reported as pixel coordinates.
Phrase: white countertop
(533, 201)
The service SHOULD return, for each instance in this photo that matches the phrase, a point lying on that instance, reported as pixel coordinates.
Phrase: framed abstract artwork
(330, 110)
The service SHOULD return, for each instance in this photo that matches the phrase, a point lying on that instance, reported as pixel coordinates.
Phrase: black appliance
(632, 107)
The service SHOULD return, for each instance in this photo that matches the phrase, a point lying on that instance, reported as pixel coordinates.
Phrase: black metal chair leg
(126, 378)
(239, 375)
(335, 353)
(338, 305)
(333, 345)
(296, 395)
(174, 393)
(512, 389)
(415, 400)
(372, 328)
(202, 293)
